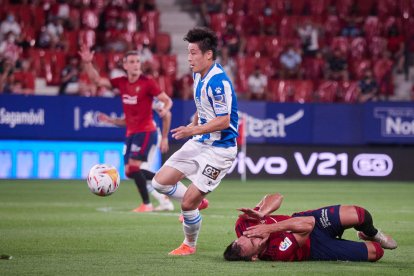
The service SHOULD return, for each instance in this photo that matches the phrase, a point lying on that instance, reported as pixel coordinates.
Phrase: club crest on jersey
(211, 172)
(285, 244)
(218, 90)
(127, 99)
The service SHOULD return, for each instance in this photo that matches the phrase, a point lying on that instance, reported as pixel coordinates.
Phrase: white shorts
(203, 164)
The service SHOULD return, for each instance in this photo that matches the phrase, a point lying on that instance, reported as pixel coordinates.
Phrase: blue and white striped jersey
(214, 96)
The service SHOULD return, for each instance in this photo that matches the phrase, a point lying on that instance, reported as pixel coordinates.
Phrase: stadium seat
(387, 8)
(341, 43)
(72, 38)
(169, 65)
(343, 7)
(234, 6)
(255, 8)
(358, 67)
(405, 8)
(273, 46)
(314, 68)
(297, 6)
(166, 84)
(392, 21)
(218, 23)
(303, 91)
(357, 48)
(366, 7)
(326, 91)
(163, 43)
(141, 38)
(87, 37)
(348, 91)
(281, 91)
(89, 19)
(332, 27)
(372, 27)
(150, 23)
(288, 26)
(255, 45)
(130, 21)
(318, 7)
(100, 62)
(377, 45)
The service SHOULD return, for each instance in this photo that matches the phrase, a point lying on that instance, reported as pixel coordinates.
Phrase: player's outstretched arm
(300, 227)
(87, 57)
(166, 124)
(267, 205)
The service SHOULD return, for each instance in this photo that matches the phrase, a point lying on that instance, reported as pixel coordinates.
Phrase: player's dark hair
(131, 53)
(233, 253)
(205, 38)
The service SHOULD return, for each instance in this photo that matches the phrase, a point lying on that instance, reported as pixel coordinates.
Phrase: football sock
(148, 175)
(191, 226)
(365, 223)
(154, 193)
(176, 191)
(141, 183)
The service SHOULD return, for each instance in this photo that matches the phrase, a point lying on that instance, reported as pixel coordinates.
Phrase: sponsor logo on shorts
(211, 172)
(324, 219)
(285, 244)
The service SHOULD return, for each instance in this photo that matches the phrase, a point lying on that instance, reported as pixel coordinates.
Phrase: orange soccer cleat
(143, 208)
(203, 205)
(183, 250)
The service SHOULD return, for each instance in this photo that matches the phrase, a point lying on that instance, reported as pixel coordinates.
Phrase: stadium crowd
(282, 51)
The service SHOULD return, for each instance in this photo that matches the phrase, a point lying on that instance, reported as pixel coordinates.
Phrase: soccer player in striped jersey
(209, 154)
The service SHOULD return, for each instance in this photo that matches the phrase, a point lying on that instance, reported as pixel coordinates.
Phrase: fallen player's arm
(300, 227)
(267, 205)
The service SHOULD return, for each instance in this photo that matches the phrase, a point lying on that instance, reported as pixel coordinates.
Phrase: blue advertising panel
(389, 123)
(76, 118)
(60, 159)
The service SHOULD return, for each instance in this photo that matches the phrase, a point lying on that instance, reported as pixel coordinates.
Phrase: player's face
(249, 246)
(132, 65)
(199, 62)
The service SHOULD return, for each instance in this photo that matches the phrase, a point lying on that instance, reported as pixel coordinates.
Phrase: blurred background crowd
(274, 50)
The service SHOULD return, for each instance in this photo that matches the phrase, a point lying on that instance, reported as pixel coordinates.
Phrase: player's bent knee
(131, 171)
(164, 189)
(377, 251)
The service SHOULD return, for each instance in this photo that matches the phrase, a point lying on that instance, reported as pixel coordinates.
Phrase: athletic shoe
(143, 208)
(183, 250)
(385, 241)
(165, 205)
(203, 205)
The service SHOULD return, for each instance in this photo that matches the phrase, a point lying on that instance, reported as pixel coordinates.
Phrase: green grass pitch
(60, 228)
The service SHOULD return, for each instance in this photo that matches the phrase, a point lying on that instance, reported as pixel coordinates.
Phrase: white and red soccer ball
(103, 179)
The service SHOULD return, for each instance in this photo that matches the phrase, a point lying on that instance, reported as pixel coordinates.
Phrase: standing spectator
(26, 77)
(337, 66)
(51, 35)
(9, 48)
(396, 46)
(308, 34)
(6, 75)
(209, 7)
(290, 62)
(70, 78)
(228, 63)
(233, 40)
(9, 25)
(257, 83)
(367, 88)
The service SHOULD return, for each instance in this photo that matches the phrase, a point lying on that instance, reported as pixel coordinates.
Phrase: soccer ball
(103, 179)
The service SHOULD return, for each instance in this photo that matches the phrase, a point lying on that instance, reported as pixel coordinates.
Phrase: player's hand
(86, 54)
(162, 112)
(104, 118)
(250, 213)
(164, 147)
(181, 132)
(258, 231)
